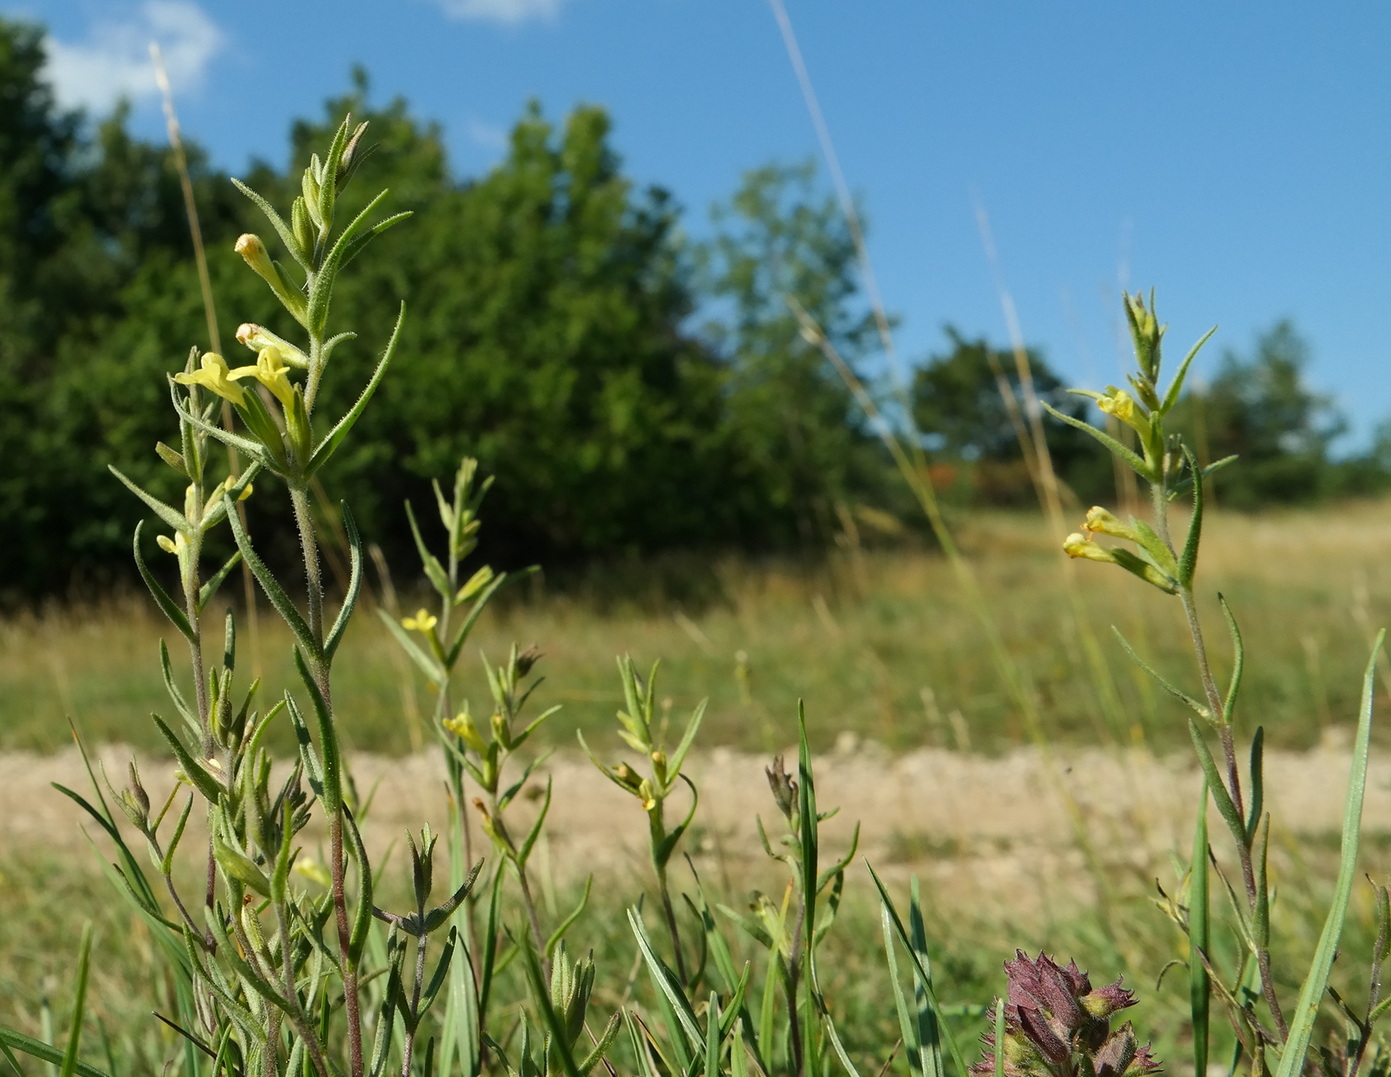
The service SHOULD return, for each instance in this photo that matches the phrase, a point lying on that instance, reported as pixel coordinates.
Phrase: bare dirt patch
(970, 824)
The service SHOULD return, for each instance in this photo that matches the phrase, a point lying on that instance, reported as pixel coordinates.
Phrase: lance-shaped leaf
(167, 605)
(335, 437)
(271, 586)
(1188, 560)
(286, 233)
(362, 913)
(194, 770)
(428, 663)
(328, 737)
(1176, 386)
(170, 515)
(213, 582)
(1134, 461)
(335, 634)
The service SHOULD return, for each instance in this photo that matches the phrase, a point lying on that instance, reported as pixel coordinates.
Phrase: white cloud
(501, 11)
(114, 59)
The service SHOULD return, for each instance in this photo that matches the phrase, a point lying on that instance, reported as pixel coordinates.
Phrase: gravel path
(968, 823)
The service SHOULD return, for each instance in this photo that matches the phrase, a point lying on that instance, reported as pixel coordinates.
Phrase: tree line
(632, 390)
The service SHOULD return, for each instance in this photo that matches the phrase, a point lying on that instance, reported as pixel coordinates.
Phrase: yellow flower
(271, 371)
(173, 545)
(215, 375)
(423, 621)
(1120, 404)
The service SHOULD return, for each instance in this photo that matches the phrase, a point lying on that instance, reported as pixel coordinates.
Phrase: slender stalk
(673, 929)
(408, 1048)
(1213, 697)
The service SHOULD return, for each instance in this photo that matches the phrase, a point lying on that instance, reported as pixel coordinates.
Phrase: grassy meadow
(883, 646)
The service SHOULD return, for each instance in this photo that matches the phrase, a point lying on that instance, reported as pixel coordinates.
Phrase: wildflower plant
(1271, 1035)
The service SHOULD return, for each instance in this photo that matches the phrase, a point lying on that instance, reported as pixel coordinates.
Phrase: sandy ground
(969, 824)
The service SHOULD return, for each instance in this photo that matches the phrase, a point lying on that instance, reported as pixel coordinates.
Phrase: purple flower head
(1057, 1026)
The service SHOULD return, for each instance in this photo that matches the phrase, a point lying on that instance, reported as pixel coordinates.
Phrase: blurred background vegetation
(635, 392)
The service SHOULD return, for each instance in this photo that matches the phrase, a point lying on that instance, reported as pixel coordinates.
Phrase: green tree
(796, 433)
(546, 340)
(1261, 409)
(86, 214)
(970, 406)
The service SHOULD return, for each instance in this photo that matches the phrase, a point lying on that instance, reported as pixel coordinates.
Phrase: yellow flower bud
(1102, 521)
(1080, 545)
(258, 338)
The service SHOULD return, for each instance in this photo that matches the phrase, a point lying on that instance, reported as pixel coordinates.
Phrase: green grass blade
(1199, 939)
(9, 1038)
(1316, 983)
(79, 1003)
(924, 977)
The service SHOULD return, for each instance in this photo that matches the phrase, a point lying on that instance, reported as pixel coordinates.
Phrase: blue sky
(1234, 155)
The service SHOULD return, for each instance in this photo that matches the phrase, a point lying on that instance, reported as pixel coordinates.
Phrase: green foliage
(972, 406)
(799, 435)
(1261, 410)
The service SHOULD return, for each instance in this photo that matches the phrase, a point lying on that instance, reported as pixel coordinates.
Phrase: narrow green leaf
(40, 1050)
(1176, 386)
(1253, 817)
(434, 571)
(269, 456)
(328, 737)
(170, 515)
(353, 249)
(1296, 1048)
(568, 922)
(213, 582)
(335, 437)
(529, 842)
(1131, 459)
(362, 914)
(273, 591)
(167, 605)
(335, 634)
(1238, 662)
(321, 292)
(1220, 794)
(79, 1003)
(1188, 559)
(1159, 679)
(924, 976)
(452, 655)
(429, 665)
(286, 233)
(907, 1028)
(666, 980)
(1260, 856)
(192, 768)
(687, 739)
